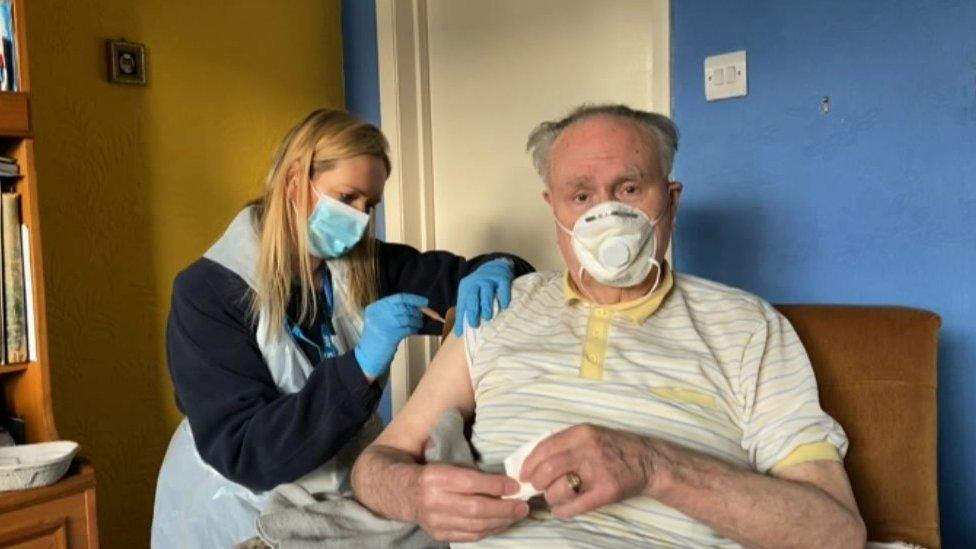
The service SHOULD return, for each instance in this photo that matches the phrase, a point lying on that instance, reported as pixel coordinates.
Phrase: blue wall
(361, 67)
(874, 202)
(362, 83)
(359, 59)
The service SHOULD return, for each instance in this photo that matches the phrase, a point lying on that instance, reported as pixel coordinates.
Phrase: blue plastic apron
(195, 505)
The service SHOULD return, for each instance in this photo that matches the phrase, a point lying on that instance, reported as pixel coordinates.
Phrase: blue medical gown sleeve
(242, 425)
(434, 274)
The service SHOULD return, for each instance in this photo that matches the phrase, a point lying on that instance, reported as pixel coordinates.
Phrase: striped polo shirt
(706, 366)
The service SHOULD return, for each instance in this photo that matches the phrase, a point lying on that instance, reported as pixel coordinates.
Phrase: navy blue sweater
(242, 425)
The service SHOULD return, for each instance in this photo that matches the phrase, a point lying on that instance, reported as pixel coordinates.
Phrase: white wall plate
(725, 76)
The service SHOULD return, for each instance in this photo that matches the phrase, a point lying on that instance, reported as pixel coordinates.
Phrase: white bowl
(35, 465)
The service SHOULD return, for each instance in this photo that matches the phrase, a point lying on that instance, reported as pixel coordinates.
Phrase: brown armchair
(876, 370)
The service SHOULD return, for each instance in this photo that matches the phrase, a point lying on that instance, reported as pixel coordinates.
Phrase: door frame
(401, 35)
(404, 85)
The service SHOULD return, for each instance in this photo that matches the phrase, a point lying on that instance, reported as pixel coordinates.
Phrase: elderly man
(682, 412)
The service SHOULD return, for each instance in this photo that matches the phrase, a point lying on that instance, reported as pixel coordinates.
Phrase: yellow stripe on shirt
(805, 453)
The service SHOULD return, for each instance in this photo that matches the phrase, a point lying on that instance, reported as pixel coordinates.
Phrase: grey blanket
(295, 518)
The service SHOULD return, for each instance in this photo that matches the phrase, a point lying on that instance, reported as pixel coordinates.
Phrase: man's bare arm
(809, 505)
(451, 503)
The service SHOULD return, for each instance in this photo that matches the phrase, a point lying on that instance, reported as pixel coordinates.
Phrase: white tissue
(513, 467)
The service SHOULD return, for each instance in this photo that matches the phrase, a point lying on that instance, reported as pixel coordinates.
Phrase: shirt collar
(638, 310)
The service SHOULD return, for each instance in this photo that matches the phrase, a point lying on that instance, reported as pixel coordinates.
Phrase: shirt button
(591, 357)
(597, 332)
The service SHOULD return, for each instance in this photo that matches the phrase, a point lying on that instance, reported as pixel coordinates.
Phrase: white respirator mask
(616, 244)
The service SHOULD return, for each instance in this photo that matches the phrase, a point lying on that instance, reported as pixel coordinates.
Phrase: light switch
(725, 76)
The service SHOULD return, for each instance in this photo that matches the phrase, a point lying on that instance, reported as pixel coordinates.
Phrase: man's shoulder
(707, 296)
(533, 295)
(532, 285)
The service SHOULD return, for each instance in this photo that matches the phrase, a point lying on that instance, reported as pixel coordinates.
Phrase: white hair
(663, 130)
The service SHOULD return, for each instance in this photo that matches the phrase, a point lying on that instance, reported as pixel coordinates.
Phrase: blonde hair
(311, 147)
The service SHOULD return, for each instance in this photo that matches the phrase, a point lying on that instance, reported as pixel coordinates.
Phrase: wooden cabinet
(56, 516)
(63, 514)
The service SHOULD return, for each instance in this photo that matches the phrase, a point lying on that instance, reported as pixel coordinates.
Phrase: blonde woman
(280, 338)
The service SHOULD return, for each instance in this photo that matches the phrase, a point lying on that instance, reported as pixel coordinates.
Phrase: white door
(463, 82)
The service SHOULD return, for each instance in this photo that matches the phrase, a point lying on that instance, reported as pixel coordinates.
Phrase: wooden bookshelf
(63, 514)
(13, 368)
(14, 114)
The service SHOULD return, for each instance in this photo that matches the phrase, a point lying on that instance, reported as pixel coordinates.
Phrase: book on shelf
(29, 294)
(9, 171)
(3, 297)
(8, 55)
(14, 297)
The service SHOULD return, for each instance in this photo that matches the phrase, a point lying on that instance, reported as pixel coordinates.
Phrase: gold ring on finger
(575, 482)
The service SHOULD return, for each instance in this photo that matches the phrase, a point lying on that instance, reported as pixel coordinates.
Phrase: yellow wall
(136, 182)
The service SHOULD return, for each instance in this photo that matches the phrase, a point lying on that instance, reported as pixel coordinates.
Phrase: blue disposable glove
(386, 323)
(478, 290)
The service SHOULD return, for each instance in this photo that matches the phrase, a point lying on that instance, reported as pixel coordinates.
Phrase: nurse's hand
(386, 323)
(478, 290)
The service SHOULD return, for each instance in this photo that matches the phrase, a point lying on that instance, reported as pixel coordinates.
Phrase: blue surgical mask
(334, 227)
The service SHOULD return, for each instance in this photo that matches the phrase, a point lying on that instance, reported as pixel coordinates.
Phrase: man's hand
(613, 466)
(458, 504)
